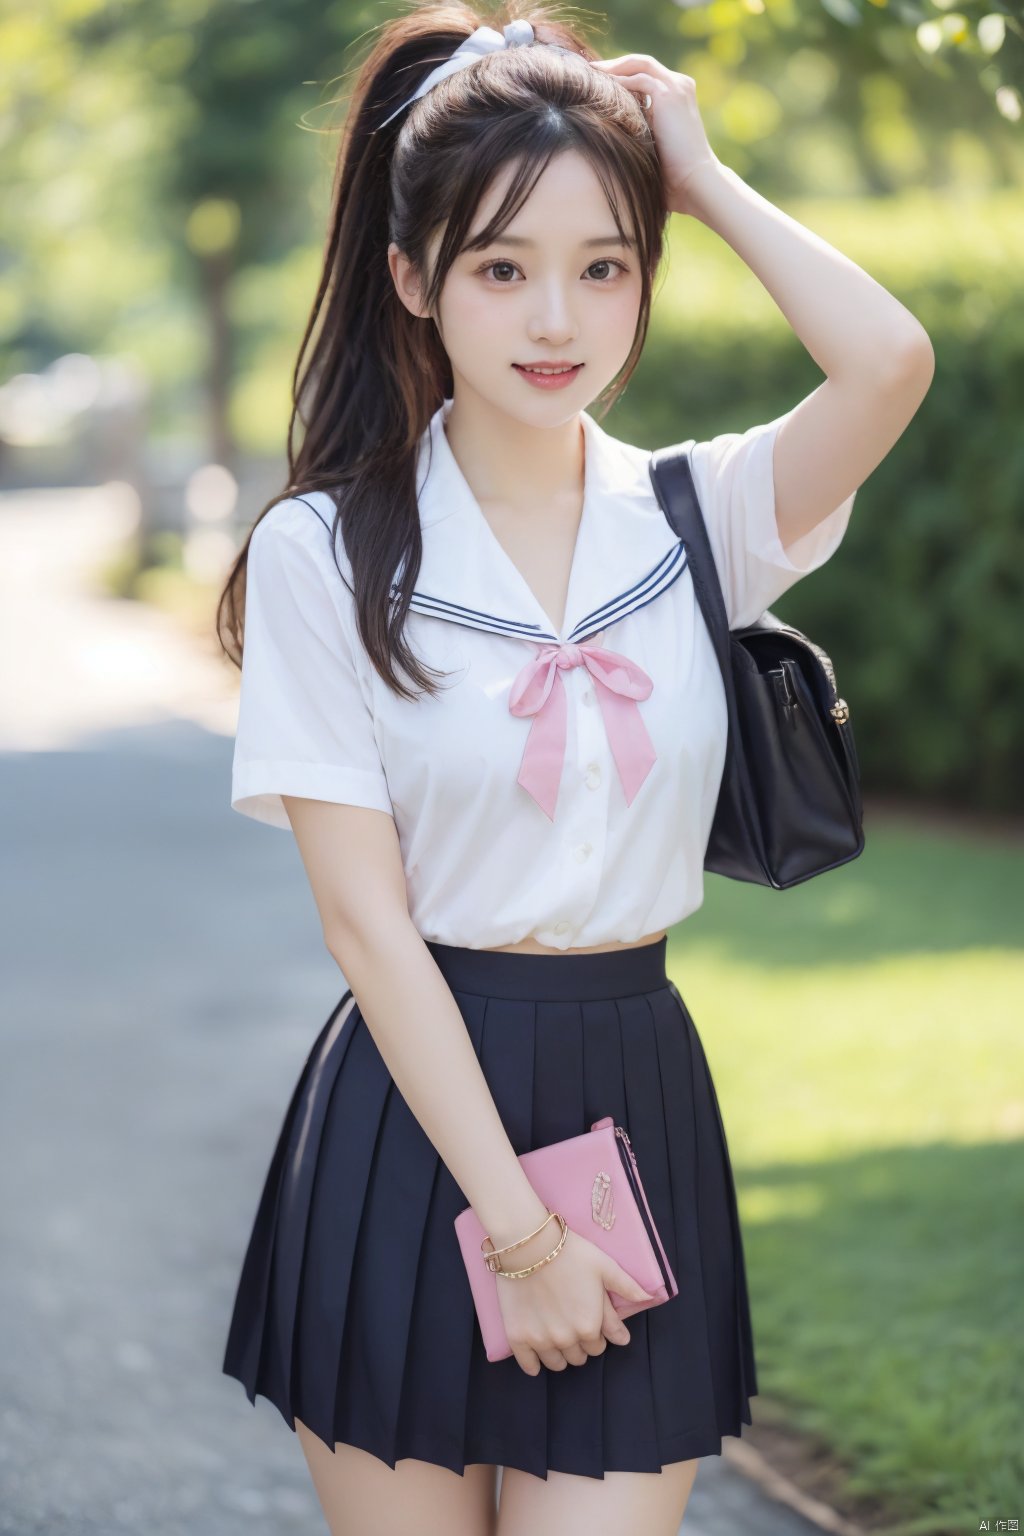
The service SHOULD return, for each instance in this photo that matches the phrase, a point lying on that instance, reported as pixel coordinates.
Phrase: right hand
(562, 1313)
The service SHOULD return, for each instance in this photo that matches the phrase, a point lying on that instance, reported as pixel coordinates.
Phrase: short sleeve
(733, 477)
(305, 727)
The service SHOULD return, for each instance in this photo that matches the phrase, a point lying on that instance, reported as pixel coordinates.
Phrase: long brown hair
(375, 374)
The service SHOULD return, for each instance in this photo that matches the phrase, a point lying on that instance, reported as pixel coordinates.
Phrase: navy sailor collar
(626, 554)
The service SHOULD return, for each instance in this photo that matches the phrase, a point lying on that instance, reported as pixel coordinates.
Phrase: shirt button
(588, 696)
(593, 775)
(562, 927)
(583, 852)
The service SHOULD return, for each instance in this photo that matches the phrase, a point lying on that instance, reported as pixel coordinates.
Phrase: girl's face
(558, 285)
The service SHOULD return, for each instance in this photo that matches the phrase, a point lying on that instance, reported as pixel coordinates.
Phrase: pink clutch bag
(594, 1182)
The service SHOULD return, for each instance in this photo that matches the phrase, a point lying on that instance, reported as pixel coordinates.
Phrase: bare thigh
(362, 1496)
(564, 1505)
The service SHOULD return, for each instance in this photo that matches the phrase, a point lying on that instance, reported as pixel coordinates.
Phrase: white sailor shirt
(549, 791)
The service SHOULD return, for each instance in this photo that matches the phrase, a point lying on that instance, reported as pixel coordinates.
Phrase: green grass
(866, 1036)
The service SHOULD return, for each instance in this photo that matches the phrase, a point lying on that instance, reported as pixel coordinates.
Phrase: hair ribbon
(517, 34)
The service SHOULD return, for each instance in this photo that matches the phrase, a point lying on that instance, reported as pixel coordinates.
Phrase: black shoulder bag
(789, 805)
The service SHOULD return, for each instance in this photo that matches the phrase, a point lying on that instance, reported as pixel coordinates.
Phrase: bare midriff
(533, 947)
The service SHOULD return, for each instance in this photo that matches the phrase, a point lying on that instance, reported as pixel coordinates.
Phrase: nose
(553, 319)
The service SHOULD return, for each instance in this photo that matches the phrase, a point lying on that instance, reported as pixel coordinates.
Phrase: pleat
(292, 1224)
(575, 1439)
(353, 1115)
(432, 1409)
(744, 1342)
(670, 1343)
(249, 1313)
(354, 1311)
(250, 1353)
(637, 1421)
(679, 1118)
(387, 1249)
(603, 1095)
(717, 1249)
(557, 1113)
(748, 1357)
(505, 1409)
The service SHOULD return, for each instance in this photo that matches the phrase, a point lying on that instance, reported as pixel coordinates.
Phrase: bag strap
(672, 477)
(673, 485)
(311, 507)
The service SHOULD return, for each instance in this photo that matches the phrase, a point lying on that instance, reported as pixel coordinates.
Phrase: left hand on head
(675, 120)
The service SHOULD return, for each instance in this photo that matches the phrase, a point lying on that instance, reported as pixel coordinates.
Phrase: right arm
(354, 865)
(353, 862)
(306, 758)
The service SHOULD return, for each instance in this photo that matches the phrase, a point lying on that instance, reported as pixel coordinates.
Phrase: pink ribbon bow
(538, 690)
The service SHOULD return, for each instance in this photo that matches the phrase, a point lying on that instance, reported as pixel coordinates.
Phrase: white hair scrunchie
(483, 41)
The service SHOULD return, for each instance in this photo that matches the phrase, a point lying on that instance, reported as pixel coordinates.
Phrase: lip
(548, 380)
(550, 362)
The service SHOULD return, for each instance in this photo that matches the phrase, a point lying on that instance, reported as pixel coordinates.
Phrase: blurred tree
(149, 163)
(846, 96)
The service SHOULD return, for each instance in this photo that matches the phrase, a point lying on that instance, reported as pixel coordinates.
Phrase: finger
(622, 1283)
(641, 80)
(631, 63)
(614, 1329)
(527, 1359)
(642, 85)
(553, 1359)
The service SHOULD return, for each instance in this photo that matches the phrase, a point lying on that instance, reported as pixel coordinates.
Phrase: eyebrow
(521, 241)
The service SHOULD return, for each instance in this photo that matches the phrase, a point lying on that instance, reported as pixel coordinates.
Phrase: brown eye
(605, 261)
(496, 268)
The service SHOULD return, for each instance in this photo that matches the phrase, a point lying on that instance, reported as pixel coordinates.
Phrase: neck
(513, 463)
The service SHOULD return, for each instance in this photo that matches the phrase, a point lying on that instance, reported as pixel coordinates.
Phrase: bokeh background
(164, 184)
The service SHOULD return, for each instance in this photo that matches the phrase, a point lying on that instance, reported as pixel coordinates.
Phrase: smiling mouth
(547, 368)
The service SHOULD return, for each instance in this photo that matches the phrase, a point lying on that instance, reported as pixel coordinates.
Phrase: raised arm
(876, 355)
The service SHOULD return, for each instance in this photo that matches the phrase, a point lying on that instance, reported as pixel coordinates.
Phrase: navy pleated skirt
(353, 1311)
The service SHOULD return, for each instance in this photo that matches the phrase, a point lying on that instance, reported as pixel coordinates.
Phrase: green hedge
(922, 608)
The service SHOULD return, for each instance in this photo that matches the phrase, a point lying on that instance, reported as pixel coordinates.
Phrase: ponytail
(369, 373)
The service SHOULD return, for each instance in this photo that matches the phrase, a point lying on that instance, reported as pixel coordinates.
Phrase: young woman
(477, 687)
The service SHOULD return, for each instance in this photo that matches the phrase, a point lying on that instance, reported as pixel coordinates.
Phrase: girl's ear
(407, 281)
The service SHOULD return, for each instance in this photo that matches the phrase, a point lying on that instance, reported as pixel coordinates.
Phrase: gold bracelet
(509, 1246)
(519, 1274)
